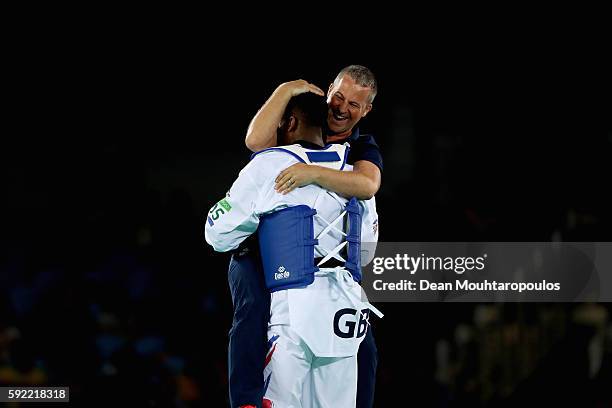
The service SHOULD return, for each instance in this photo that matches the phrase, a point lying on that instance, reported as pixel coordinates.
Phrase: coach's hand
(294, 88)
(294, 176)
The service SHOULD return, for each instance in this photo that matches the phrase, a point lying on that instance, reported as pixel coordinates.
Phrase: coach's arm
(261, 133)
(363, 182)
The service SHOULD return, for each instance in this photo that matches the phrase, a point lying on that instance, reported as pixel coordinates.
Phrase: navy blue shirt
(363, 147)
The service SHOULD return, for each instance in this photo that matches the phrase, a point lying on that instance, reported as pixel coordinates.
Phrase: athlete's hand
(294, 176)
(294, 88)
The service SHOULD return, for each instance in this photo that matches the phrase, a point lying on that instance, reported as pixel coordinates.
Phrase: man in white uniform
(311, 248)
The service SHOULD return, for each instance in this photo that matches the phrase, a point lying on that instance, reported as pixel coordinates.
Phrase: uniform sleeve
(365, 148)
(234, 218)
(369, 231)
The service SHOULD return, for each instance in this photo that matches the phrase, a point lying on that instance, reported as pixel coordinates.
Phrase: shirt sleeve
(369, 231)
(365, 148)
(234, 218)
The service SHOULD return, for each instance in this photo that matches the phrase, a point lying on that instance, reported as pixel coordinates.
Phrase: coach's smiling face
(348, 103)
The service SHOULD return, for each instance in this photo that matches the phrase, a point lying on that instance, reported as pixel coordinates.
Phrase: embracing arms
(362, 182)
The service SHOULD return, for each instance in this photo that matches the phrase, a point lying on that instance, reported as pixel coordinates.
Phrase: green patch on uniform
(222, 207)
(223, 203)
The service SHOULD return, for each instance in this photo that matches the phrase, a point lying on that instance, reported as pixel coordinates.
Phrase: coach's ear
(367, 110)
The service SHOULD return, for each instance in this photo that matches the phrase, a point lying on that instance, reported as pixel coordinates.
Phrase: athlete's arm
(233, 219)
(362, 182)
(261, 133)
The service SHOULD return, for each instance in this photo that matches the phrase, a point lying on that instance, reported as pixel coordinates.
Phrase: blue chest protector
(286, 237)
(353, 236)
(286, 243)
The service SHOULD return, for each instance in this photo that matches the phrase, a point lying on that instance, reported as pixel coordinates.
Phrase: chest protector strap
(351, 230)
(352, 238)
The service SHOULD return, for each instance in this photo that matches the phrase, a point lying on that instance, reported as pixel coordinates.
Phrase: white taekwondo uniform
(314, 330)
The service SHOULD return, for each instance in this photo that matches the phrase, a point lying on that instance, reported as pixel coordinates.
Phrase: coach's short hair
(312, 107)
(362, 75)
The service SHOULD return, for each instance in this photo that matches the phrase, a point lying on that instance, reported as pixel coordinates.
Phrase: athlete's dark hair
(311, 108)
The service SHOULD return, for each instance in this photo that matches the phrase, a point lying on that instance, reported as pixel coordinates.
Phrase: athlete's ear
(292, 124)
(331, 86)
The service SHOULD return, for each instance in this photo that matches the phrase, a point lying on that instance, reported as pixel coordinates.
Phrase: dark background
(116, 150)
